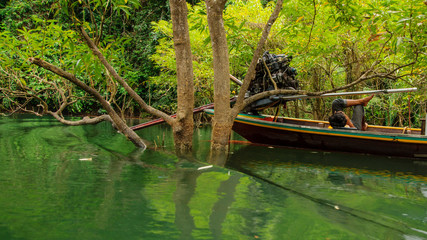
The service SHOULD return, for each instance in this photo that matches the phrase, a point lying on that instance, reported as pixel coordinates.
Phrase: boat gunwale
(382, 136)
(325, 122)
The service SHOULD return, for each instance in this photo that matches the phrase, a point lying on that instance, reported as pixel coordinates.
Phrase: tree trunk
(224, 115)
(183, 125)
(222, 120)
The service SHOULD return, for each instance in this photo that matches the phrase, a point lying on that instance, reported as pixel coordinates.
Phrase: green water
(60, 182)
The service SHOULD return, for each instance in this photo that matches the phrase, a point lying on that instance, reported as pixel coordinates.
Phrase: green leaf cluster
(49, 34)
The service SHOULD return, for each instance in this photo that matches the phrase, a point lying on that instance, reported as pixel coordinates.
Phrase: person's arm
(349, 123)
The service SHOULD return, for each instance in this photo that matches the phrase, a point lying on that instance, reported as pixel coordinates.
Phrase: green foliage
(54, 43)
(139, 50)
(346, 43)
(108, 22)
(332, 42)
(19, 14)
(49, 41)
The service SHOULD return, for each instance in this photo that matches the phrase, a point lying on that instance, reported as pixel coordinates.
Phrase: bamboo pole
(236, 80)
(384, 91)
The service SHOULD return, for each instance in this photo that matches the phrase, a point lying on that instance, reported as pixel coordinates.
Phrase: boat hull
(257, 130)
(343, 143)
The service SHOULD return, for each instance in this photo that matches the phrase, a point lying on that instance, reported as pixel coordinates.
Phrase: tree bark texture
(222, 120)
(183, 125)
(118, 122)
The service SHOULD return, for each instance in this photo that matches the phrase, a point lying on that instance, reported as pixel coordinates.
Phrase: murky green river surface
(61, 182)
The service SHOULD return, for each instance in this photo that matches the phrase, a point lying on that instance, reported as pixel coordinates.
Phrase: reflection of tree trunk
(61, 174)
(103, 215)
(185, 188)
(219, 211)
(114, 172)
(218, 158)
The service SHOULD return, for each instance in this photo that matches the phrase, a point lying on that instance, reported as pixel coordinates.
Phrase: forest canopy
(332, 42)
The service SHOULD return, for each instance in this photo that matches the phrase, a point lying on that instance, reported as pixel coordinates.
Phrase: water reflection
(186, 185)
(226, 191)
(185, 188)
(252, 156)
(123, 193)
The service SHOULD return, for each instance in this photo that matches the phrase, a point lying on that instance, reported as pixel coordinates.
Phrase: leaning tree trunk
(222, 120)
(118, 122)
(183, 126)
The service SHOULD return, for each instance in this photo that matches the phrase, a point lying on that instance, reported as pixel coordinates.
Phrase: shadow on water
(352, 184)
(253, 155)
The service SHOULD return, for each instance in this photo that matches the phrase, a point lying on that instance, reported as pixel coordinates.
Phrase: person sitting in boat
(339, 119)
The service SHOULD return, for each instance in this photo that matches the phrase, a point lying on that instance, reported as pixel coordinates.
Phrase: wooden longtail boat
(293, 132)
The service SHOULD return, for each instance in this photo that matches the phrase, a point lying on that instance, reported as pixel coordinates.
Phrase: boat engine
(271, 67)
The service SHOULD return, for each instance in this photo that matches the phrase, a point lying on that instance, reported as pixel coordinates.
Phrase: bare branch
(23, 92)
(118, 121)
(312, 25)
(86, 120)
(30, 94)
(122, 82)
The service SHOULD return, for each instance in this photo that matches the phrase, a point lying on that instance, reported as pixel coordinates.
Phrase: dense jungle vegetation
(332, 42)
